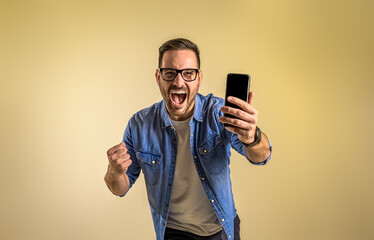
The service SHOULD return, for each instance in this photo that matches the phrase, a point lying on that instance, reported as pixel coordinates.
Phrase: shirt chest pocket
(150, 164)
(214, 155)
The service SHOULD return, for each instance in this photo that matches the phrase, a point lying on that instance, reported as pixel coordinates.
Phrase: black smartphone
(237, 85)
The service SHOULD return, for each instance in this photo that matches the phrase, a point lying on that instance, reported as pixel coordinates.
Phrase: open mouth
(178, 97)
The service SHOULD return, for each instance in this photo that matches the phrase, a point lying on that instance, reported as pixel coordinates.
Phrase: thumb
(250, 98)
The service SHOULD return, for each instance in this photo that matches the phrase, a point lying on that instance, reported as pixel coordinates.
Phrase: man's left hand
(245, 123)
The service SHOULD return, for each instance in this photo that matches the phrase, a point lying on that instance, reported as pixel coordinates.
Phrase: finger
(251, 97)
(121, 152)
(242, 134)
(120, 161)
(242, 104)
(239, 113)
(237, 123)
(236, 130)
(120, 155)
(125, 157)
(126, 164)
(116, 148)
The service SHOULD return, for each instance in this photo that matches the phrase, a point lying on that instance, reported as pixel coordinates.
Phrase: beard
(179, 102)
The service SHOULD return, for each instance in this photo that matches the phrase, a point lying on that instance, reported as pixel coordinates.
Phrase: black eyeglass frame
(179, 71)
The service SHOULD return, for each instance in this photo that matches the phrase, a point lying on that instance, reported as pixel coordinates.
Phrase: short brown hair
(178, 44)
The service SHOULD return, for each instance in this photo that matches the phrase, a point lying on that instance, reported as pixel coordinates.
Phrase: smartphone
(237, 85)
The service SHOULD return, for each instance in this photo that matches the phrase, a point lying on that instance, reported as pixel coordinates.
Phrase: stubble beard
(180, 114)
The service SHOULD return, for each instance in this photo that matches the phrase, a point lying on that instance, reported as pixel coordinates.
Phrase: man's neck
(183, 117)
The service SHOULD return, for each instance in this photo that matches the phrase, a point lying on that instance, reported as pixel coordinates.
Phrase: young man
(183, 149)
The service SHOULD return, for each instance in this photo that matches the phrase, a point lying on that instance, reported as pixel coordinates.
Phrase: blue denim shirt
(152, 144)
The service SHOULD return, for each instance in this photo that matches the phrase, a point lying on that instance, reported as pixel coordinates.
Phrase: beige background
(73, 72)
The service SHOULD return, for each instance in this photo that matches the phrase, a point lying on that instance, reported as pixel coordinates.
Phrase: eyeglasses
(188, 75)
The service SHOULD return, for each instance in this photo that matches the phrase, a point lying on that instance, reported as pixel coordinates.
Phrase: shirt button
(163, 224)
(166, 205)
(205, 150)
(153, 162)
(169, 185)
(203, 178)
(223, 219)
(195, 156)
(229, 236)
(173, 163)
(212, 200)
(172, 127)
(191, 135)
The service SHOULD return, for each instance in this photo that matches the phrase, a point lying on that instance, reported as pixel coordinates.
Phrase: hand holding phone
(240, 117)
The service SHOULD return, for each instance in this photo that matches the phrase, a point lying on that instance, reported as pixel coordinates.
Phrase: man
(183, 149)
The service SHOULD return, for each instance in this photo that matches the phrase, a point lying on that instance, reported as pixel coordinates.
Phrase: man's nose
(179, 81)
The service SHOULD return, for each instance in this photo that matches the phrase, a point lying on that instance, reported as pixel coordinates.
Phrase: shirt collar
(198, 114)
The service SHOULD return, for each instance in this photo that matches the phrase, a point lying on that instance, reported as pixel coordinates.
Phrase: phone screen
(237, 86)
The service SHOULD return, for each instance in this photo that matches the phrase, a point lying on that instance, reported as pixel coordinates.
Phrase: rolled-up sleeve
(133, 170)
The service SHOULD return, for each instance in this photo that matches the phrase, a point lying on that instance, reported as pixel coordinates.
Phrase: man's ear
(200, 77)
(157, 76)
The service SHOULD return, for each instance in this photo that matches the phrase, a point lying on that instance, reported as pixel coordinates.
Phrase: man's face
(178, 94)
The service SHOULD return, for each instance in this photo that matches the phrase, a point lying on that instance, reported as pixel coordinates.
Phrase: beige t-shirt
(190, 209)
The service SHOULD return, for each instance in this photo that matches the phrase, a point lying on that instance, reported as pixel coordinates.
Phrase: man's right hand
(115, 178)
(118, 158)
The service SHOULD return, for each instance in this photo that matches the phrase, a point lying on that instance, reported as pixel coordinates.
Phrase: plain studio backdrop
(73, 72)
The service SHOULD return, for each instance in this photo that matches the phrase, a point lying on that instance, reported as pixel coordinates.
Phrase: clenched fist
(118, 158)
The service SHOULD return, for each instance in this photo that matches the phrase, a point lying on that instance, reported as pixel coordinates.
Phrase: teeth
(178, 92)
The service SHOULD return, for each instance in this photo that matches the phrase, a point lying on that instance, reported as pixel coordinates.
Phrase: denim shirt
(151, 141)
